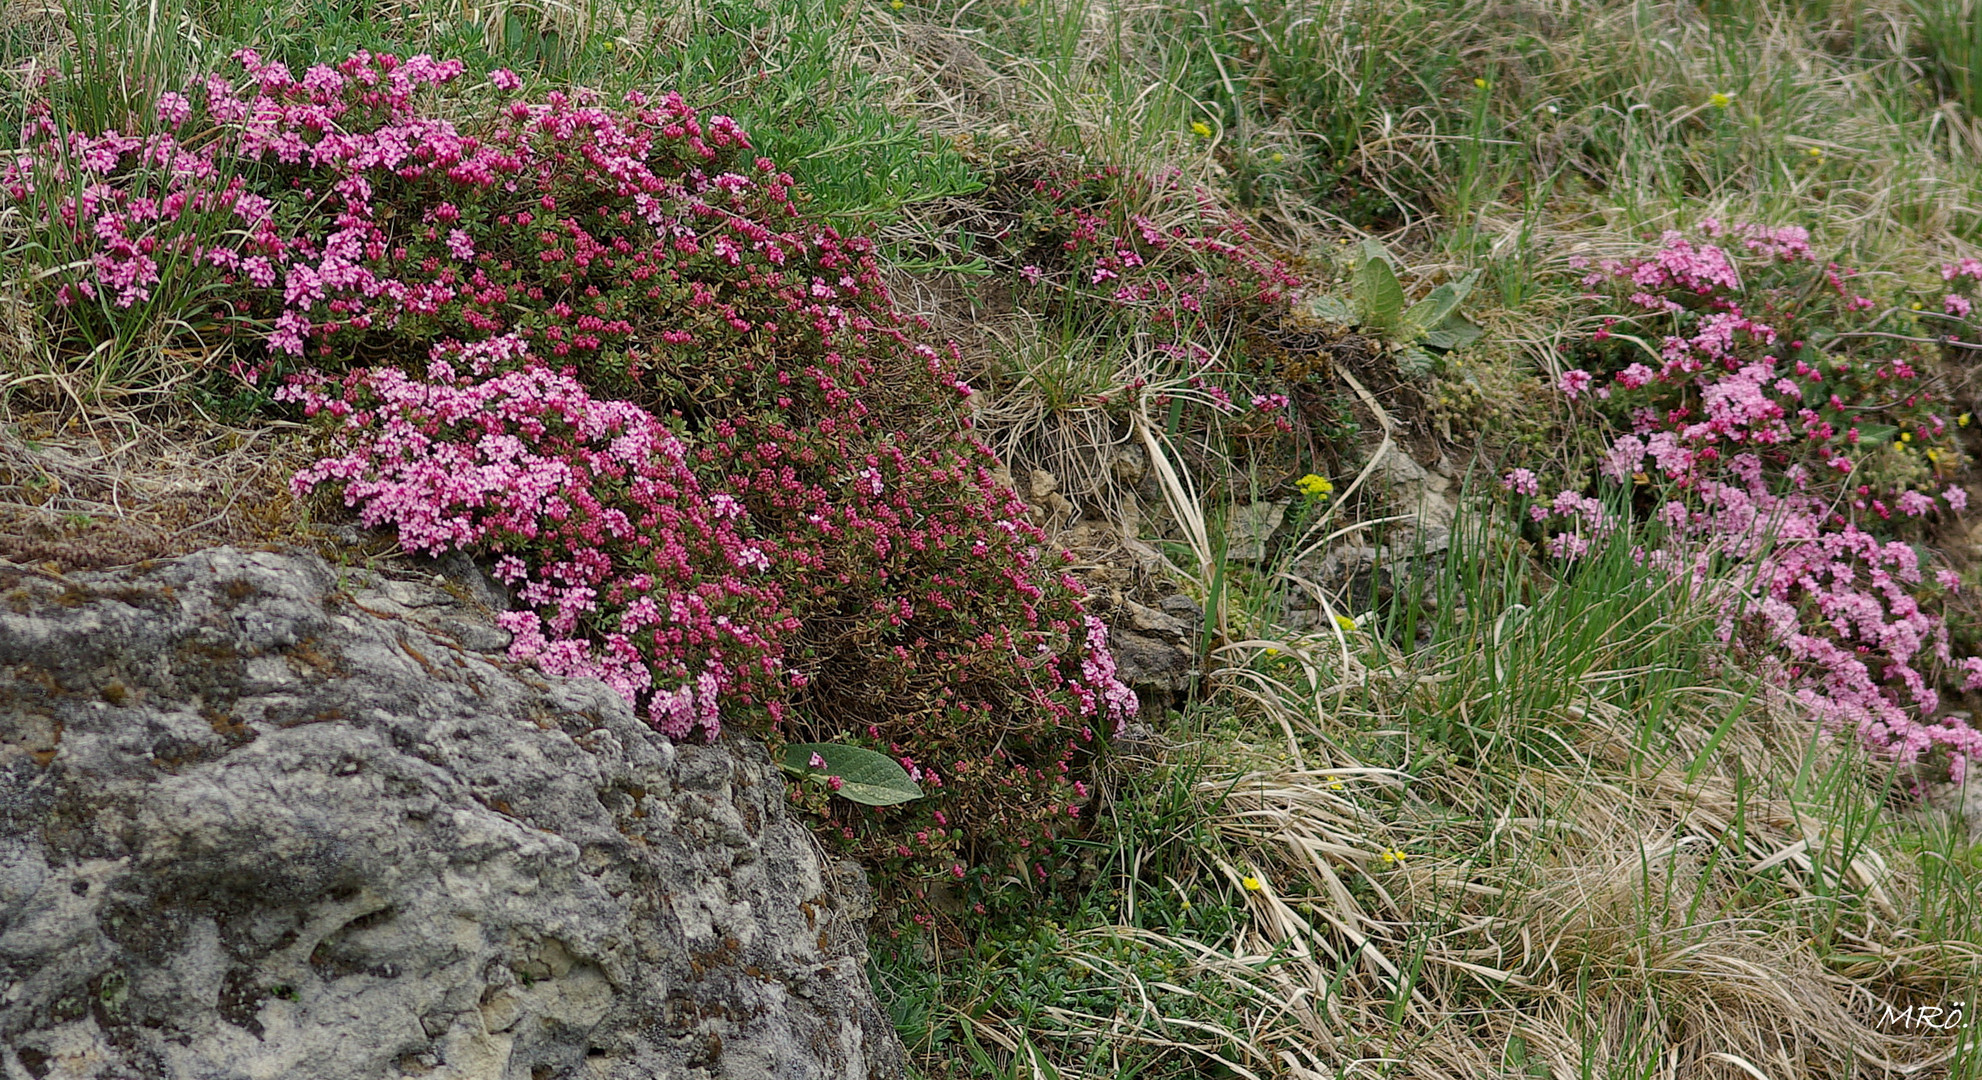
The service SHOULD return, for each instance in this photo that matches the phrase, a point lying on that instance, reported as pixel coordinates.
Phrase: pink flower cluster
(631, 571)
(1727, 381)
(1841, 611)
(1583, 521)
(1760, 437)
(604, 346)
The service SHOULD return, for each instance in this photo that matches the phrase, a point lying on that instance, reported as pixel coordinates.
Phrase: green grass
(783, 68)
(1565, 836)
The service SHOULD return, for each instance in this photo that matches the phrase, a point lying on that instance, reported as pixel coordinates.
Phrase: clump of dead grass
(1599, 912)
(89, 491)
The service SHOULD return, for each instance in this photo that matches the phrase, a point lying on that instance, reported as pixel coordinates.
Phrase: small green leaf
(1876, 434)
(1434, 311)
(1457, 332)
(1378, 296)
(1413, 362)
(1463, 286)
(1332, 309)
(866, 777)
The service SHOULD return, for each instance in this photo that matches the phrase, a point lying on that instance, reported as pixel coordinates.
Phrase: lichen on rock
(263, 818)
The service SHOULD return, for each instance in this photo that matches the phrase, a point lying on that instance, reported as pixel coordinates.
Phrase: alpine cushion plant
(1106, 254)
(604, 346)
(1747, 380)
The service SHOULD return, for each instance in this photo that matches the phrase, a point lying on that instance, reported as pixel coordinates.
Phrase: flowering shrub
(603, 345)
(1110, 250)
(594, 509)
(1088, 234)
(1760, 365)
(1744, 380)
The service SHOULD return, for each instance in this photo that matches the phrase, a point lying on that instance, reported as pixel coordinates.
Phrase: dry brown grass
(87, 491)
(1601, 914)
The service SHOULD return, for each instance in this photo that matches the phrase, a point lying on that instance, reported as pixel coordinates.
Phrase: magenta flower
(174, 109)
(1522, 482)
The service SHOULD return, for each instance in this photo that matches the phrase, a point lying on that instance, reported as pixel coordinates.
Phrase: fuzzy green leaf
(1378, 296)
(1332, 309)
(1434, 311)
(867, 777)
(1415, 363)
(1456, 332)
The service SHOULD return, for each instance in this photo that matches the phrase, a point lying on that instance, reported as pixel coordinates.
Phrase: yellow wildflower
(1906, 436)
(1933, 455)
(1963, 419)
(896, 4)
(1335, 785)
(1345, 622)
(1315, 487)
(1720, 101)
(1916, 305)
(1252, 884)
(1278, 157)
(1202, 129)
(1395, 857)
(1480, 83)
(1816, 152)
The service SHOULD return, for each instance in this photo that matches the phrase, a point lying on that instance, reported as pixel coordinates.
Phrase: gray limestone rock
(1155, 651)
(260, 822)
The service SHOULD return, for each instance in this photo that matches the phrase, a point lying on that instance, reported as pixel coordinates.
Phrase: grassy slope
(1599, 852)
(1551, 837)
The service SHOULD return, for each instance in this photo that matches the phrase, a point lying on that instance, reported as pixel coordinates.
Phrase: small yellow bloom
(1252, 884)
(1202, 129)
(1273, 652)
(1395, 857)
(1315, 487)
(1187, 905)
(1916, 305)
(1335, 785)
(1720, 101)
(1480, 83)
(1345, 622)
(896, 4)
(1816, 151)
(1906, 436)
(1278, 157)
(1933, 455)
(1963, 419)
